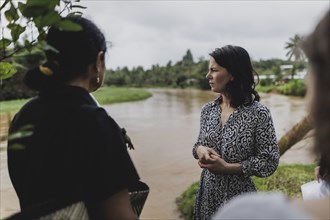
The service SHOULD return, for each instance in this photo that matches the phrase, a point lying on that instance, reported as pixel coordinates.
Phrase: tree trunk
(295, 134)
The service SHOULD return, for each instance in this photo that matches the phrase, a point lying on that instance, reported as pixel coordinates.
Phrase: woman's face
(218, 77)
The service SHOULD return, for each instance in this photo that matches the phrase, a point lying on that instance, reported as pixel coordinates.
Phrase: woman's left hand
(215, 165)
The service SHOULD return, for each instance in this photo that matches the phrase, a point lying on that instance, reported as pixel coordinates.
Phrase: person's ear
(100, 61)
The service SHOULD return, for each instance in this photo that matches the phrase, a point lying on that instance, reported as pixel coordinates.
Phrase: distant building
(286, 72)
(286, 67)
(301, 74)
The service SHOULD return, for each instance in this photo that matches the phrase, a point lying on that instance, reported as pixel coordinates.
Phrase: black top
(75, 150)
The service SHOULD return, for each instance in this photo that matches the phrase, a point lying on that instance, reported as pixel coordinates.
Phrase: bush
(266, 82)
(266, 89)
(293, 87)
(287, 179)
(185, 203)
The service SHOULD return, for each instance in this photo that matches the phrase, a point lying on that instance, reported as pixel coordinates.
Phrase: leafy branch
(39, 16)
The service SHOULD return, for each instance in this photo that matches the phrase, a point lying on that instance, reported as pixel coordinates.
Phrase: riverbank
(104, 95)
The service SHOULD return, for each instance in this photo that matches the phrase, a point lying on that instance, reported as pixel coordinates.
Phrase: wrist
(233, 168)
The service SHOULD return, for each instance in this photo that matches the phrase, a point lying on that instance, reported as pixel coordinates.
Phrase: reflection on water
(164, 128)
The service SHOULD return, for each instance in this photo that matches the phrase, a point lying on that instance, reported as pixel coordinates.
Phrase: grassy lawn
(109, 95)
(105, 95)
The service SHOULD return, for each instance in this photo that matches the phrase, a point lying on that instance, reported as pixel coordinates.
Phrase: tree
(28, 23)
(188, 58)
(295, 52)
(294, 47)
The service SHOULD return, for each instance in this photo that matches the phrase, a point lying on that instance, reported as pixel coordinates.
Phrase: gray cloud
(150, 32)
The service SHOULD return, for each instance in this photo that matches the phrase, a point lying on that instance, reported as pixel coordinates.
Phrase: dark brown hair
(75, 51)
(237, 62)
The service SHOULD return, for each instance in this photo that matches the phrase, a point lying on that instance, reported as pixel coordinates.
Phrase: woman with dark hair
(276, 205)
(237, 137)
(64, 148)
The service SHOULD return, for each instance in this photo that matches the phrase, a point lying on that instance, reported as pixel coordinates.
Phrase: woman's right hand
(204, 153)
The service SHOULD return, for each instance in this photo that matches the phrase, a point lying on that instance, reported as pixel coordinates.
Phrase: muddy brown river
(163, 129)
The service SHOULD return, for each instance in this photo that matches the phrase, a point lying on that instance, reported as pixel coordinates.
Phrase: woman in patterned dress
(237, 136)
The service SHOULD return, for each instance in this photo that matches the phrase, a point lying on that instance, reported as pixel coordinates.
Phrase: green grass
(287, 179)
(109, 95)
(105, 95)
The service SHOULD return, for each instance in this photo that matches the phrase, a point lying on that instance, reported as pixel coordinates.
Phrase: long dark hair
(75, 51)
(317, 47)
(236, 60)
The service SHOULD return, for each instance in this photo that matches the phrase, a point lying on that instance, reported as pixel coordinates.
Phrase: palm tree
(294, 47)
(295, 52)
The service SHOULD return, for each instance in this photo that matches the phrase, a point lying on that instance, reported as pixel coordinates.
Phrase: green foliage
(14, 87)
(31, 16)
(294, 47)
(293, 87)
(266, 82)
(286, 179)
(185, 203)
(6, 70)
(184, 73)
(272, 64)
(188, 58)
(188, 73)
(263, 65)
(266, 89)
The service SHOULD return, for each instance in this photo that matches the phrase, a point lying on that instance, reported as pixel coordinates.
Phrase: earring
(98, 79)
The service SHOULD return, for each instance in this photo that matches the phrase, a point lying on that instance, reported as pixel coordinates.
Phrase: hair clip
(45, 70)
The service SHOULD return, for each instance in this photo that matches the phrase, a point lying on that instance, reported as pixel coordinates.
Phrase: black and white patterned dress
(248, 138)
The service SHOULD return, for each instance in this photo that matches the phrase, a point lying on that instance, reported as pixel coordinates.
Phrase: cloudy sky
(154, 32)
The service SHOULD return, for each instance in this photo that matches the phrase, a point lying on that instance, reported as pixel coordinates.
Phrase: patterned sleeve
(199, 141)
(266, 158)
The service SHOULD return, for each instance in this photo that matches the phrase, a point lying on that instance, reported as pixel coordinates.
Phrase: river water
(163, 129)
